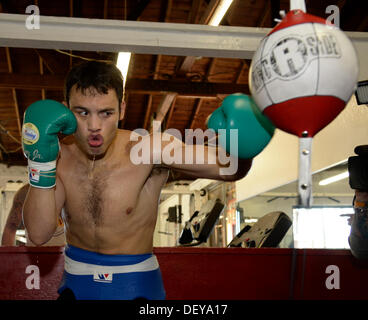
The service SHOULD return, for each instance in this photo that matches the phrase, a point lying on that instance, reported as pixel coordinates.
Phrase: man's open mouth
(95, 140)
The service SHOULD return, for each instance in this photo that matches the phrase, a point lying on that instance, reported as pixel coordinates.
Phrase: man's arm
(14, 221)
(41, 211)
(46, 195)
(198, 160)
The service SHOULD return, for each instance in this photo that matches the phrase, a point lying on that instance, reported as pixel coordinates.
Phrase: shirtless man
(110, 204)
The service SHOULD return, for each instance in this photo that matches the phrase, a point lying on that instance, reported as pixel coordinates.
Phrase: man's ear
(122, 110)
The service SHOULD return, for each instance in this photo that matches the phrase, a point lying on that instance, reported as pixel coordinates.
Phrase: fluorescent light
(123, 64)
(332, 179)
(220, 12)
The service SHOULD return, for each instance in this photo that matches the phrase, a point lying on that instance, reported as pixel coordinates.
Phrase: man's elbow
(38, 238)
(242, 170)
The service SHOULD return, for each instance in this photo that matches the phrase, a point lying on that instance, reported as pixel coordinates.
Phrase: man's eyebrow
(107, 109)
(86, 109)
(78, 107)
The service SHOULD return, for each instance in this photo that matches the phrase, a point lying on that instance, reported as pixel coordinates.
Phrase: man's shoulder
(67, 141)
(128, 134)
(129, 137)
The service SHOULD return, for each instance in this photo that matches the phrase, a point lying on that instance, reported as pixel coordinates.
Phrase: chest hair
(93, 199)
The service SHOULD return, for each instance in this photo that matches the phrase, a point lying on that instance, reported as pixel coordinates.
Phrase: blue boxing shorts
(94, 276)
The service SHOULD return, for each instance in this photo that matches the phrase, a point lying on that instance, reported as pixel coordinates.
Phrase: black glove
(358, 169)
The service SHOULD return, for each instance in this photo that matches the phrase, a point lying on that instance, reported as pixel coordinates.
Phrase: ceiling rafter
(1, 151)
(163, 108)
(105, 9)
(244, 65)
(265, 15)
(41, 66)
(71, 14)
(196, 111)
(147, 120)
(165, 105)
(14, 91)
(136, 14)
(50, 61)
(169, 117)
(185, 64)
(141, 86)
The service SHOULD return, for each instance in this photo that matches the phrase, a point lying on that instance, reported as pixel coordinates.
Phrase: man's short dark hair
(101, 76)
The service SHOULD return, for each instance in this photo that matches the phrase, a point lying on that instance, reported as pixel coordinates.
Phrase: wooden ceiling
(179, 91)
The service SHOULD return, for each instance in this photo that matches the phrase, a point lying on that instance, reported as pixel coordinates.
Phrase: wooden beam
(139, 8)
(140, 86)
(148, 112)
(265, 15)
(72, 9)
(105, 9)
(183, 88)
(40, 60)
(185, 64)
(196, 111)
(169, 116)
(147, 115)
(210, 68)
(51, 61)
(31, 81)
(122, 122)
(165, 105)
(43, 91)
(166, 7)
(14, 92)
(210, 9)
(194, 11)
(243, 66)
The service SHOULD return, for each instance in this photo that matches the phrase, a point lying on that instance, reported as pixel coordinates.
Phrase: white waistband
(81, 268)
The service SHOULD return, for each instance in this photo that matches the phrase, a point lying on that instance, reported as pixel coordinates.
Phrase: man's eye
(83, 113)
(107, 113)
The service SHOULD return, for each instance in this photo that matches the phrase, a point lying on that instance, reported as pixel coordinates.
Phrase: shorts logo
(34, 175)
(30, 133)
(102, 277)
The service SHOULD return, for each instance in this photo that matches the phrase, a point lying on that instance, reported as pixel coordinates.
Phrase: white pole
(297, 4)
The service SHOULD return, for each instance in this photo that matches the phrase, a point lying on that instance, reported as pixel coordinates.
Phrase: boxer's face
(98, 116)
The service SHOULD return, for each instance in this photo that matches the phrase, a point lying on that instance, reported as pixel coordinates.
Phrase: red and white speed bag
(303, 73)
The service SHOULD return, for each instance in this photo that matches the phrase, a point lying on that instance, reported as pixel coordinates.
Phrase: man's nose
(94, 123)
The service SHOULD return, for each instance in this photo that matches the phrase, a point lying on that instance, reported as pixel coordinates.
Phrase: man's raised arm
(43, 120)
(243, 132)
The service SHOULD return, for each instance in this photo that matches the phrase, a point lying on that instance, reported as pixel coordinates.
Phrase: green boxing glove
(43, 120)
(239, 111)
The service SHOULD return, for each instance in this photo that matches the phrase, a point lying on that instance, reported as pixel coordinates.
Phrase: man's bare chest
(96, 192)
